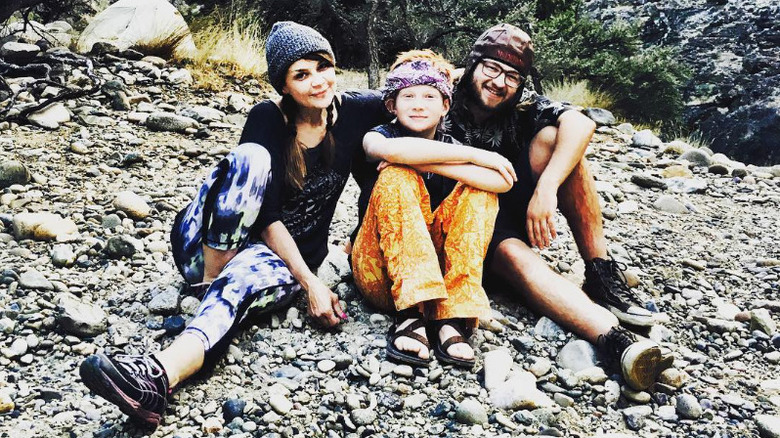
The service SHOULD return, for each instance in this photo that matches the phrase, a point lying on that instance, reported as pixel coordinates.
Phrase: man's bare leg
(548, 293)
(579, 203)
(578, 199)
(640, 361)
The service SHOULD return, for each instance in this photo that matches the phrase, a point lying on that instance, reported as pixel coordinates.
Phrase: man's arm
(414, 151)
(574, 133)
(323, 303)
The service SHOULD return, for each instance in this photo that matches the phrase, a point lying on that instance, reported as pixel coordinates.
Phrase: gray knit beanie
(287, 43)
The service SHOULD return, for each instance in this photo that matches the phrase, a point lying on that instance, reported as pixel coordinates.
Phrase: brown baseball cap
(506, 43)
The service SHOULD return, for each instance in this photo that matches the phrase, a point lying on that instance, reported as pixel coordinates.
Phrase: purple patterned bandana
(417, 72)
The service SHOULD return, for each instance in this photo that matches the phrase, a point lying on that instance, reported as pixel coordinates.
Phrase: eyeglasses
(492, 70)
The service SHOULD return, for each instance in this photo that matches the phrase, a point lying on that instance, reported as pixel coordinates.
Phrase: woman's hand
(497, 162)
(323, 305)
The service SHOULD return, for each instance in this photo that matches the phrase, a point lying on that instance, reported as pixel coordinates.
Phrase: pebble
(33, 279)
(688, 406)
(519, 392)
(577, 355)
(166, 302)
(132, 205)
(79, 318)
(497, 364)
(762, 320)
(233, 408)
(363, 417)
(673, 377)
(471, 411)
(280, 404)
(768, 425)
(669, 204)
(539, 366)
(326, 365)
(403, 371)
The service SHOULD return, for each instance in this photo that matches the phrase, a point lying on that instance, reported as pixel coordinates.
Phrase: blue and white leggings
(221, 216)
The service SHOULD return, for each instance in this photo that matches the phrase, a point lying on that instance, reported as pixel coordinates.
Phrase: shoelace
(140, 366)
(611, 274)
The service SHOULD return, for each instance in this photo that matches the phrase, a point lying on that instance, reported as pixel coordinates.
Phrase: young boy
(427, 213)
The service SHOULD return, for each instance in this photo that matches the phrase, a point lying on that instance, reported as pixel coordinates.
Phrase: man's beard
(473, 98)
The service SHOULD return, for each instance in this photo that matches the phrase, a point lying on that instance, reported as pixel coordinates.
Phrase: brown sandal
(405, 356)
(440, 348)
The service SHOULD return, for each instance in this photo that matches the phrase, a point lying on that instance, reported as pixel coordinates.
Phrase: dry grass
(230, 43)
(695, 139)
(352, 79)
(578, 93)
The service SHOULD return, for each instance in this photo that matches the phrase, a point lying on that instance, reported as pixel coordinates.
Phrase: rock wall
(733, 48)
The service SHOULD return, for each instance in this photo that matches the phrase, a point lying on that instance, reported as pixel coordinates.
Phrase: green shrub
(645, 84)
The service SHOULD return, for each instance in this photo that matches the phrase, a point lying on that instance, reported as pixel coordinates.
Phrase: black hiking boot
(640, 360)
(606, 285)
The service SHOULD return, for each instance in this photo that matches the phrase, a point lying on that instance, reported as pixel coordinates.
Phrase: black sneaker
(641, 361)
(606, 285)
(138, 385)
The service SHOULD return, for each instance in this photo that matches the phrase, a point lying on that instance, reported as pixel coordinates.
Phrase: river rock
(646, 139)
(32, 279)
(13, 172)
(121, 246)
(471, 411)
(601, 116)
(519, 392)
(166, 302)
(363, 417)
(132, 204)
(6, 403)
(768, 426)
(139, 23)
(697, 158)
(19, 53)
(80, 318)
(50, 116)
(497, 364)
(688, 406)
(170, 122)
(669, 204)
(761, 319)
(577, 355)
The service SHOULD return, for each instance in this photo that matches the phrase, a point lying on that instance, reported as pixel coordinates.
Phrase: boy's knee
(483, 201)
(397, 177)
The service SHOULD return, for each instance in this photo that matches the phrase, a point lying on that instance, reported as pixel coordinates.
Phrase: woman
(258, 227)
(426, 226)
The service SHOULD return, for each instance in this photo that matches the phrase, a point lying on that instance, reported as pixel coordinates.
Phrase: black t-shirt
(439, 187)
(307, 213)
(509, 133)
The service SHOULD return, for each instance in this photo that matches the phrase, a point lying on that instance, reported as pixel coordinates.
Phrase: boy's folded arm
(413, 150)
(475, 176)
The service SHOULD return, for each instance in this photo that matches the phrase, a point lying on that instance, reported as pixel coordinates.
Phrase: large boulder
(142, 24)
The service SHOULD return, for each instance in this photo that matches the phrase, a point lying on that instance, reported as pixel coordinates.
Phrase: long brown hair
(294, 158)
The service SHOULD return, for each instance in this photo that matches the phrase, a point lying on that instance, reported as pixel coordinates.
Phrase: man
(546, 141)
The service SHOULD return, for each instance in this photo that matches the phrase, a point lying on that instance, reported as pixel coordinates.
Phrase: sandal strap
(453, 340)
(409, 332)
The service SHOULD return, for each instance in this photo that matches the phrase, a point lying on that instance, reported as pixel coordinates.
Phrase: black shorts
(513, 206)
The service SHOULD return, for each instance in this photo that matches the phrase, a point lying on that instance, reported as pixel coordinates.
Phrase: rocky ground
(87, 202)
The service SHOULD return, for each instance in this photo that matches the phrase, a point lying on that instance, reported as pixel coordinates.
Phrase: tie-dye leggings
(405, 255)
(221, 216)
